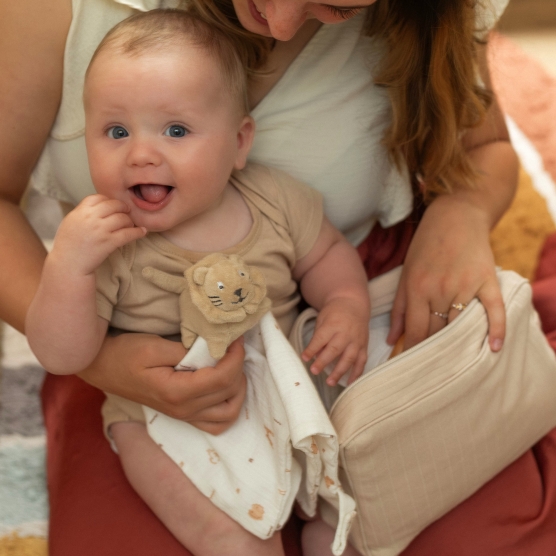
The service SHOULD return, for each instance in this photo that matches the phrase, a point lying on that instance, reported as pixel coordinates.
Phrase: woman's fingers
(397, 317)
(210, 427)
(437, 320)
(491, 298)
(460, 301)
(190, 394)
(419, 323)
(221, 415)
(425, 317)
(140, 367)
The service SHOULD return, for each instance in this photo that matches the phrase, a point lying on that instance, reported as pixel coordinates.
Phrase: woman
(423, 55)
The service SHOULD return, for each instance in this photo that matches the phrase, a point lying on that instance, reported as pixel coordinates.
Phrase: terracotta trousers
(94, 512)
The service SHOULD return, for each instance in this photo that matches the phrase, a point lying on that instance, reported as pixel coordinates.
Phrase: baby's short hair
(163, 29)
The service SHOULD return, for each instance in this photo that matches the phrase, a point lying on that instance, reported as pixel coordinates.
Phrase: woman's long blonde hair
(430, 71)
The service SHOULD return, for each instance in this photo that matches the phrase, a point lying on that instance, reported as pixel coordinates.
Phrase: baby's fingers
(347, 361)
(104, 206)
(320, 338)
(359, 367)
(117, 221)
(124, 235)
(332, 350)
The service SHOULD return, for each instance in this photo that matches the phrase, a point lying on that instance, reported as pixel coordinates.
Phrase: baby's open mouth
(151, 192)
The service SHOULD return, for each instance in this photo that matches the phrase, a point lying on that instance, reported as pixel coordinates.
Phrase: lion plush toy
(220, 299)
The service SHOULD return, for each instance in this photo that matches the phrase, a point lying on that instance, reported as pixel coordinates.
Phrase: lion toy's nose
(238, 292)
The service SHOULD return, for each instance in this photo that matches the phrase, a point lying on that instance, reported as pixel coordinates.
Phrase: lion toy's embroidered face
(224, 288)
(227, 285)
(220, 298)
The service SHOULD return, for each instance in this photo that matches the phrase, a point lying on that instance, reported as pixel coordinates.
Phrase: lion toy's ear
(198, 272)
(199, 275)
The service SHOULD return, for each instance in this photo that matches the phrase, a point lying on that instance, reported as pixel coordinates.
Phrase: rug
(23, 497)
(528, 96)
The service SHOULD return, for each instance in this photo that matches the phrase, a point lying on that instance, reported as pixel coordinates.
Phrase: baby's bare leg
(189, 515)
(317, 537)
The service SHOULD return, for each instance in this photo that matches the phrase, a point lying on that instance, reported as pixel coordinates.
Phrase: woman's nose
(143, 153)
(285, 17)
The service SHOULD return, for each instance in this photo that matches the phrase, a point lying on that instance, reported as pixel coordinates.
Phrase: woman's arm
(450, 260)
(32, 40)
(139, 367)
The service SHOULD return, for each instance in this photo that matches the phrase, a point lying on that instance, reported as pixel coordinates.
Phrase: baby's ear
(245, 136)
(200, 274)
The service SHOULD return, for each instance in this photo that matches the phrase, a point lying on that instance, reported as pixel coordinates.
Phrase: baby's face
(163, 134)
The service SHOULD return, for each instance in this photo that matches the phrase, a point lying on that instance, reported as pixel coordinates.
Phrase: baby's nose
(142, 153)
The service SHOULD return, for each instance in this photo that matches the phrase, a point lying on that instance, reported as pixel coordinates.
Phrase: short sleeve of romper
(112, 280)
(302, 206)
(288, 203)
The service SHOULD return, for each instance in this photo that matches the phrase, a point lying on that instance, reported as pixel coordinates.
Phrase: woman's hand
(140, 367)
(449, 262)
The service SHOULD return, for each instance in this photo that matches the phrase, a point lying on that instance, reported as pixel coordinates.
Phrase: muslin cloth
(282, 448)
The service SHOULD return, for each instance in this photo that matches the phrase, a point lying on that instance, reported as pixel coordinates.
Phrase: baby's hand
(341, 332)
(90, 232)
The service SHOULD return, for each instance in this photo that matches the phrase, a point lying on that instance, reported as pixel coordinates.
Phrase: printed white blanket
(282, 448)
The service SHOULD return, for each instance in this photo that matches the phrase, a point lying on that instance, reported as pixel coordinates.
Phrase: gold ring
(441, 315)
(459, 306)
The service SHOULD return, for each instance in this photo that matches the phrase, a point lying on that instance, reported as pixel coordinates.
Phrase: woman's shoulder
(487, 14)
(31, 59)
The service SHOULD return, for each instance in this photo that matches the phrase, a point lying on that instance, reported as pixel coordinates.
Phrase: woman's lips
(257, 16)
(151, 196)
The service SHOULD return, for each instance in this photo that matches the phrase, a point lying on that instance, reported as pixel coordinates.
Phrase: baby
(168, 134)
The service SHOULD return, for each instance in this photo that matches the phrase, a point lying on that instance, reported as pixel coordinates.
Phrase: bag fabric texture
(424, 430)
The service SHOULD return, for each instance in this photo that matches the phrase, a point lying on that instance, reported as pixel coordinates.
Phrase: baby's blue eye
(117, 132)
(176, 131)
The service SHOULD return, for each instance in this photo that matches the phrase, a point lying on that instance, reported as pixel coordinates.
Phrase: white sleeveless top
(323, 122)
